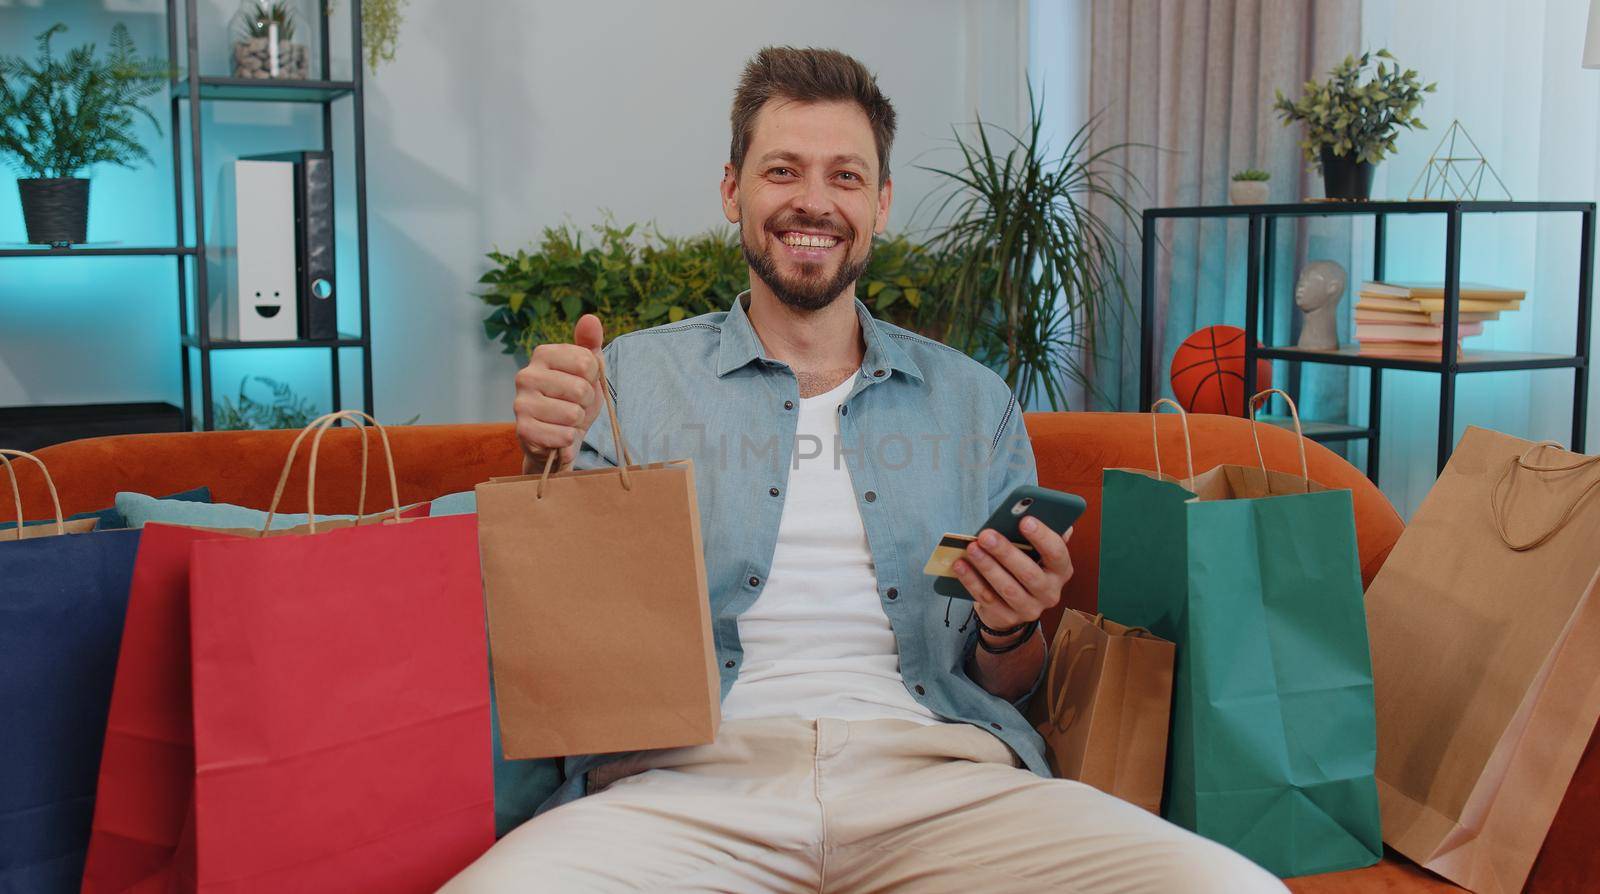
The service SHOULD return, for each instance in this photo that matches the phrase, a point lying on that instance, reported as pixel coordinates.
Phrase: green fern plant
(284, 409)
(59, 116)
(1251, 175)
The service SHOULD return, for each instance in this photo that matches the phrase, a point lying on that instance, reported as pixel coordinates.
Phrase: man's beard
(804, 293)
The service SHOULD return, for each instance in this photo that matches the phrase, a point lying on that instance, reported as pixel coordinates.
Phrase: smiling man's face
(808, 199)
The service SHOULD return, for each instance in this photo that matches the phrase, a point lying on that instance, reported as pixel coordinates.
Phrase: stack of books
(1407, 319)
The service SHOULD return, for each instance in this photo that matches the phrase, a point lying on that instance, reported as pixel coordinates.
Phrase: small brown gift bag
(1108, 701)
(599, 622)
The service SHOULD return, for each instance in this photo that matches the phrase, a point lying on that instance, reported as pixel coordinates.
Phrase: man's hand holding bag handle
(558, 397)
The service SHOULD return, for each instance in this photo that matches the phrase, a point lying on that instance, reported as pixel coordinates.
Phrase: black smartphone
(1058, 511)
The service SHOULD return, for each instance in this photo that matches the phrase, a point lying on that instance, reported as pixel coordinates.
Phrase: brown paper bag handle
(320, 425)
(1299, 437)
(623, 453)
(1060, 719)
(1188, 446)
(1497, 504)
(16, 492)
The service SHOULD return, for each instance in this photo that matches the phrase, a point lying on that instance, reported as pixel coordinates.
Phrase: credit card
(952, 547)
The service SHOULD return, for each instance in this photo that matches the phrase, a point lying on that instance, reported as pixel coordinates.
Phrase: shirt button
(844, 410)
(788, 405)
(729, 664)
(877, 373)
(995, 725)
(871, 496)
(754, 581)
(920, 690)
(772, 491)
(892, 593)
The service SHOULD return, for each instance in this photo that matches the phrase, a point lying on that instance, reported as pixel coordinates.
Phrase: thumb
(588, 333)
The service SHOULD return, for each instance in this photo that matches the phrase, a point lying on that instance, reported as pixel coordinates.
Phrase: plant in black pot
(1350, 125)
(59, 116)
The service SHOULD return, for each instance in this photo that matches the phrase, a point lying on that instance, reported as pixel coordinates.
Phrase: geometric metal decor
(1452, 173)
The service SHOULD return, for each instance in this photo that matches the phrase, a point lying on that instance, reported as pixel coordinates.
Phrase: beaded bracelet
(1004, 649)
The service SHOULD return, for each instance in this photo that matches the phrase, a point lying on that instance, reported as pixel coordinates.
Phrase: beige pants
(786, 804)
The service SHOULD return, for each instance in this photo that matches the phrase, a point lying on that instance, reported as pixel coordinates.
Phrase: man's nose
(812, 200)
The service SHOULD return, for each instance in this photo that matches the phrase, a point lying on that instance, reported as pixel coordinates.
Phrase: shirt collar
(741, 346)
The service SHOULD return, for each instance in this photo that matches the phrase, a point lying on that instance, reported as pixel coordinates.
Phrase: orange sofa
(1071, 449)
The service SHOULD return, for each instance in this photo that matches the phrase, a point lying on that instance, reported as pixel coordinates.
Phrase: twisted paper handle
(16, 492)
(616, 433)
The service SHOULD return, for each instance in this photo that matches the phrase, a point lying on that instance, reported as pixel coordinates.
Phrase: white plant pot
(1248, 192)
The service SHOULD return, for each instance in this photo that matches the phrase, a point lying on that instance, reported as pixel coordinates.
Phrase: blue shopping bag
(62, 601)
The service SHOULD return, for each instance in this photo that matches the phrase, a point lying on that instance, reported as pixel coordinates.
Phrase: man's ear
(885, 199)
(730, 193)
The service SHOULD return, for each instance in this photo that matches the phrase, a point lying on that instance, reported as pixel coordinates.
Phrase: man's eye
(781, 172)
(850, 175)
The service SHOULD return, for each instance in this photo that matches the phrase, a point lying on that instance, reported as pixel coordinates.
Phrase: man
(866, 743)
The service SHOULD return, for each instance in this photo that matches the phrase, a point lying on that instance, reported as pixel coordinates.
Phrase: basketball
(1208, 372)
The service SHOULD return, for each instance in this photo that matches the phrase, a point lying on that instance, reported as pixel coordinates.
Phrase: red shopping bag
(336, 687)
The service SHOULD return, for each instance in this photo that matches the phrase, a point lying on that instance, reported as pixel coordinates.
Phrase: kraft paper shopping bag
(599, 622)
(1486, 653)
(1107, 705)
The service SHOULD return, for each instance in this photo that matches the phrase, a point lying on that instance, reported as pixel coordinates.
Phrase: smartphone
(1058, 511)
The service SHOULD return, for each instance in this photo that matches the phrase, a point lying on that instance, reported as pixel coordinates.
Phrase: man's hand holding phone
(1008, 586)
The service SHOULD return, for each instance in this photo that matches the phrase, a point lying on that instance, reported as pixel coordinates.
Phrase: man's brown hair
(809, 75)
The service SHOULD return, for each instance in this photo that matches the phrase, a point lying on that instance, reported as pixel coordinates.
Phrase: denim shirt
(933, 441)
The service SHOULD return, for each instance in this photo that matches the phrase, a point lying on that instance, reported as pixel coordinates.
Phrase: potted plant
(1351, 125)
(635, 279)
(380, 28)
(264, 46)
(1032, 266)
(59, 116)
(1249, 187)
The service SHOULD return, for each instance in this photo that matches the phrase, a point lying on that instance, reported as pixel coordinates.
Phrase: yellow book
(1431, 305)
(1469, 290)
(1436, 305)
(1378, 310)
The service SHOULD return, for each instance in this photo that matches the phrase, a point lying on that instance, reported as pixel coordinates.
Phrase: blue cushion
(463, 503)
(111, 519)
(140, 510)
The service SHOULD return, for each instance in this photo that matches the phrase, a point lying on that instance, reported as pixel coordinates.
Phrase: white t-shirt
(816, 641)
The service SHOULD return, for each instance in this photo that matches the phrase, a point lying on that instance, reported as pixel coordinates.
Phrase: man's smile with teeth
(808, 240)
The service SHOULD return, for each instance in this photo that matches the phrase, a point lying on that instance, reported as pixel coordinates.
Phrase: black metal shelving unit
(1262, 222)
(197, 345)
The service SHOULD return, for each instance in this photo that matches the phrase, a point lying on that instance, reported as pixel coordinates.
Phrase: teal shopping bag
(1255, 576)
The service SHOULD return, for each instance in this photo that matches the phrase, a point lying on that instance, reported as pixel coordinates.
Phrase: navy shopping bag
(62, 601)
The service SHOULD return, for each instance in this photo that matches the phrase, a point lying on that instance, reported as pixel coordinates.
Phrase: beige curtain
(1195, 80)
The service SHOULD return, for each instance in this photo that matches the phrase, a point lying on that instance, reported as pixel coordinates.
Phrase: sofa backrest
(1071, 449)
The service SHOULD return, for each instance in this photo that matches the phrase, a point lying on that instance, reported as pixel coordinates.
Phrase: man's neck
(824, 347)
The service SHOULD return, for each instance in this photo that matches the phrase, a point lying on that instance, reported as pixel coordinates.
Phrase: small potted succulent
(264, 46)
(1350, 125)
(1249, 187)
(59, 116)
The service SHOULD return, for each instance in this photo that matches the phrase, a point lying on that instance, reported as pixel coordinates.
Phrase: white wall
(510, 117)
(496, 119)
(1511, 73)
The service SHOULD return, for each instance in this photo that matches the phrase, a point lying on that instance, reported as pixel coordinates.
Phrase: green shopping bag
(1255, 576)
